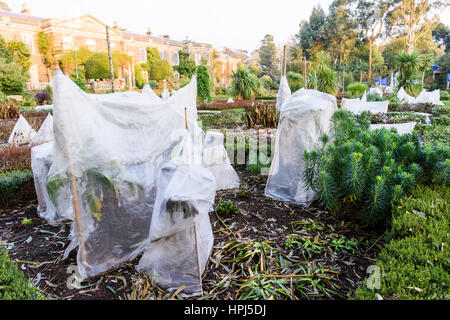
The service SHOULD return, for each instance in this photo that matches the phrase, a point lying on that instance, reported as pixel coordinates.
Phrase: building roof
(20, 15)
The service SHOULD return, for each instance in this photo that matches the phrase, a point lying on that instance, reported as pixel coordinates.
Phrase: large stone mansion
(88, 31)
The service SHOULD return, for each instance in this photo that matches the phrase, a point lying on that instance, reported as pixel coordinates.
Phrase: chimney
(25, 9)
(166, 36)
(149, 31)
(116, 25)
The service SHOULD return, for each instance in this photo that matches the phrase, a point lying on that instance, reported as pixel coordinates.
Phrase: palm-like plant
(245, 84)
(409, 65)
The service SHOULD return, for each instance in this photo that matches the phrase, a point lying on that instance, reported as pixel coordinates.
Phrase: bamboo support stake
(304, 74)
(76, 203)
(284, 60)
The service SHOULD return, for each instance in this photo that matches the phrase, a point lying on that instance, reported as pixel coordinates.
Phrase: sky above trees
(238, 24)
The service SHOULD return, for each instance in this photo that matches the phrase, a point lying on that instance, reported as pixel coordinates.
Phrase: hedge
(415, 262)
(13, 283)
(11, 183)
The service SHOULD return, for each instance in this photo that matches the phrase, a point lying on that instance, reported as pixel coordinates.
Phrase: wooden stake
(76, 204)
(185, 118)
(304, 74)
(284, 60)
(111, 67)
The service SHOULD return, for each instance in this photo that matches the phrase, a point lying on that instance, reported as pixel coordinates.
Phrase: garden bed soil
(38, 249)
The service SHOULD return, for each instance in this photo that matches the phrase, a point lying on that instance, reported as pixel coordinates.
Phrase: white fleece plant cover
(22, 133)
(166, 94)
(148, 93)
(108, 158)
(41, 161)
(364, 97)
(230, 101)
(357, 107)
(402, 128)
(404, 97)
(376, 91)
(304, 118)
(433, 97)
(215, 158)
(44, 107)
(283, 93)
(45, 132)
(181, 237)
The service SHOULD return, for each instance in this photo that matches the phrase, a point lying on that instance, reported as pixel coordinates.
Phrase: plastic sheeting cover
(22, 133)
(45, 132)
(357, 107)
(284, 93)
(181, 235)
(433, 97)
(148, 93)
(402, 128)
(376, 91)
(41, 161)
(304, 118)
(230, 101)
(166, 94)
(107, 160)
(215, 158)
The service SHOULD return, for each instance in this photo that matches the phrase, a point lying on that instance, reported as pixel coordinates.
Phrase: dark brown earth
(38, 249)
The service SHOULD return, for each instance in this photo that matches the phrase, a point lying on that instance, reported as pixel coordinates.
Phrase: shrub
(43, 97)
(12, 77)
(295, 80)
(80, 83)
(357, 89)
(203, 84)
(160, 70)
(245, 84)
(414, 263)
(186, 66)
(11, 184)
(444, 95)
(8, 109)
(226, 208)
(374, 97)
(367, 171)
(97, 67)
(13, 283)
(15, 158)
(140, 82)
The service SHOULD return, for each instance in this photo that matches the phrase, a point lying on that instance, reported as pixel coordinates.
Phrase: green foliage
(245, 84)
(10, 183)
(366, 171)
(203, 84)
(295, 80)
(140, 81)
(357, 89)
(186, 67)
(97, 66)
(414, 263)
(12, 77)
(13, 283)
(409, 66)
(160, 70)
(152, 56)
(267, 55)
(46, 48)
(226, 208)
(20, 53)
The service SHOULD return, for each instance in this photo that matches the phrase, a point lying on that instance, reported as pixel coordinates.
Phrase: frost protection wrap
(215, 158)
(45, 133)
(22, 133)
(305, 117)
(108, 155)
(180, 234)
(357, 106)
(41, 161)
(284, 93)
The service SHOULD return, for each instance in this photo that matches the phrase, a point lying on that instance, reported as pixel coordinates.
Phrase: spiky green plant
(366, 171)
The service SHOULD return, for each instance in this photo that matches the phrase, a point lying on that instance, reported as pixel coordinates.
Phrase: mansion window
(142, 55)
(176, 59)
(67, 42)
(27, 38)
(91, 43)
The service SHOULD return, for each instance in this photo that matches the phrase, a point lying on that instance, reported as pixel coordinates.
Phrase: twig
(225, 225)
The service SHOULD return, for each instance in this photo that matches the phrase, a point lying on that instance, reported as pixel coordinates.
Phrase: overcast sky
(237, 24)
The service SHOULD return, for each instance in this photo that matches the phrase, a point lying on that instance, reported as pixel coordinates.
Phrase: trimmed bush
(357, 89)
(11, 184)
(203, 84)
(12, 77)
(160, 70)
(414, 263)
(13, 283)
(97, 67)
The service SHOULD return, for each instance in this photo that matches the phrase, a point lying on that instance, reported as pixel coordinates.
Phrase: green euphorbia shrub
(366, 171)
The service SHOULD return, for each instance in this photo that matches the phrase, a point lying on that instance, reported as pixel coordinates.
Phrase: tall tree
(342, 39)
(416, 18)
(441, 33)
(268, 56)
(312, 33)
(373, 17)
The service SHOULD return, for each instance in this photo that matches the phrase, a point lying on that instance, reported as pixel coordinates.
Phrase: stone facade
(88, 31)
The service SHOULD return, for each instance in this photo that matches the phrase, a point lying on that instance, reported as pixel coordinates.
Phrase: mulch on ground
(38, 249)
